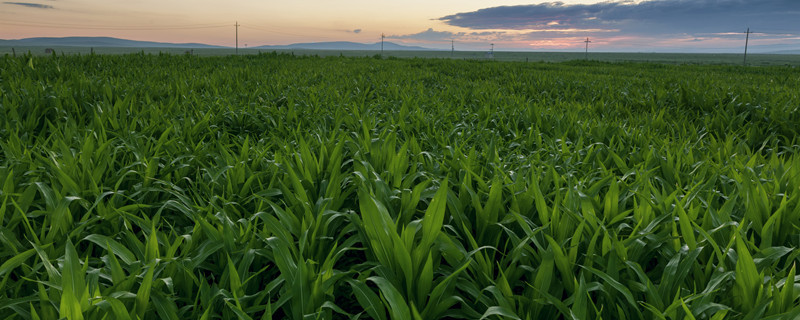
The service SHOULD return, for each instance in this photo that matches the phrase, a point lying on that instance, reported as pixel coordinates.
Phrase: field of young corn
(280, 187)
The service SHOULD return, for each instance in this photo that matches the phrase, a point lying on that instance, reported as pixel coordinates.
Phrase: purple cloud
(646, 17)
(30, 5)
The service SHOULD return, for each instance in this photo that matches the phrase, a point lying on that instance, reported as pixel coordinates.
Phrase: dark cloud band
(650, 17)
(30, 5)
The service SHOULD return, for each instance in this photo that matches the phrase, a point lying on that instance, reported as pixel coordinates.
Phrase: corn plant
(278, 186)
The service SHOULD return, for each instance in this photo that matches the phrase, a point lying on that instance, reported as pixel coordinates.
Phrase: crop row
(272, 186)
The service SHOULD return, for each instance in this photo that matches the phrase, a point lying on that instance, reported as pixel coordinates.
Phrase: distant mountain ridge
(117, 42)
(797, 51)
(331, 46)
(98, 42)
(345, 45)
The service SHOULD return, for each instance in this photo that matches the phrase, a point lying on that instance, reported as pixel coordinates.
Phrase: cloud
(608, 41)
(357, 31)
(429, 35)
(621, 25)
(644, 17)
(30, 5)
(432, 35)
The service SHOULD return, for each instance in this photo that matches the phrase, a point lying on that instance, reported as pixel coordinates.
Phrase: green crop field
(275, 186)
(758, 59)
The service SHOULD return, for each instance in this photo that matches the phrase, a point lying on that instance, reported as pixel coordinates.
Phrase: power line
(778, 31)
(269, 26)
(95, 27)
(278, 32)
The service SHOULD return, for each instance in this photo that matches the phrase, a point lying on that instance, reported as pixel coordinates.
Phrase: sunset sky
(647, 26)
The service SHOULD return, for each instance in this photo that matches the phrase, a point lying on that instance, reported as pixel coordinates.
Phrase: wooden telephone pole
(237, 36)
(746, 41)
(586, 55)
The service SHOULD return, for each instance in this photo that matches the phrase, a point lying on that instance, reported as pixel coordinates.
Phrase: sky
(616, 25)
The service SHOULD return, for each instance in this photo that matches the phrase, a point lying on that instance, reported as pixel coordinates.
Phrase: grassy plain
(530, 56)
(279, 186)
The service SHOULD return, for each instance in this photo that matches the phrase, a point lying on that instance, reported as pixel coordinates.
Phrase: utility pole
(586, 55)
(746, 41)
(237, 36)
(383, 36)
(452, 47)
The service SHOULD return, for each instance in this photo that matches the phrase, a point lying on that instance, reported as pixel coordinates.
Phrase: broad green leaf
(118, 309)
(16, 261)
(748, 280)
(112, 246)
(398, 307)
(73, 283)
(368, 300)
(143, 294)
(686, 228)
(235, 282)
(501, 312)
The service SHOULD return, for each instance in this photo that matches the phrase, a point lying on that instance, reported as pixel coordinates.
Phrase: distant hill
(346, 45)
(786, 52)
(97, 42)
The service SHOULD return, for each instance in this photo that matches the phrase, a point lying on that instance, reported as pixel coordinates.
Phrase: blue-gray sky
(655, 25)
(624, 25)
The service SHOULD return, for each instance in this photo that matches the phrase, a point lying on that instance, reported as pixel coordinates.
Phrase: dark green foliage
(274, 186)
